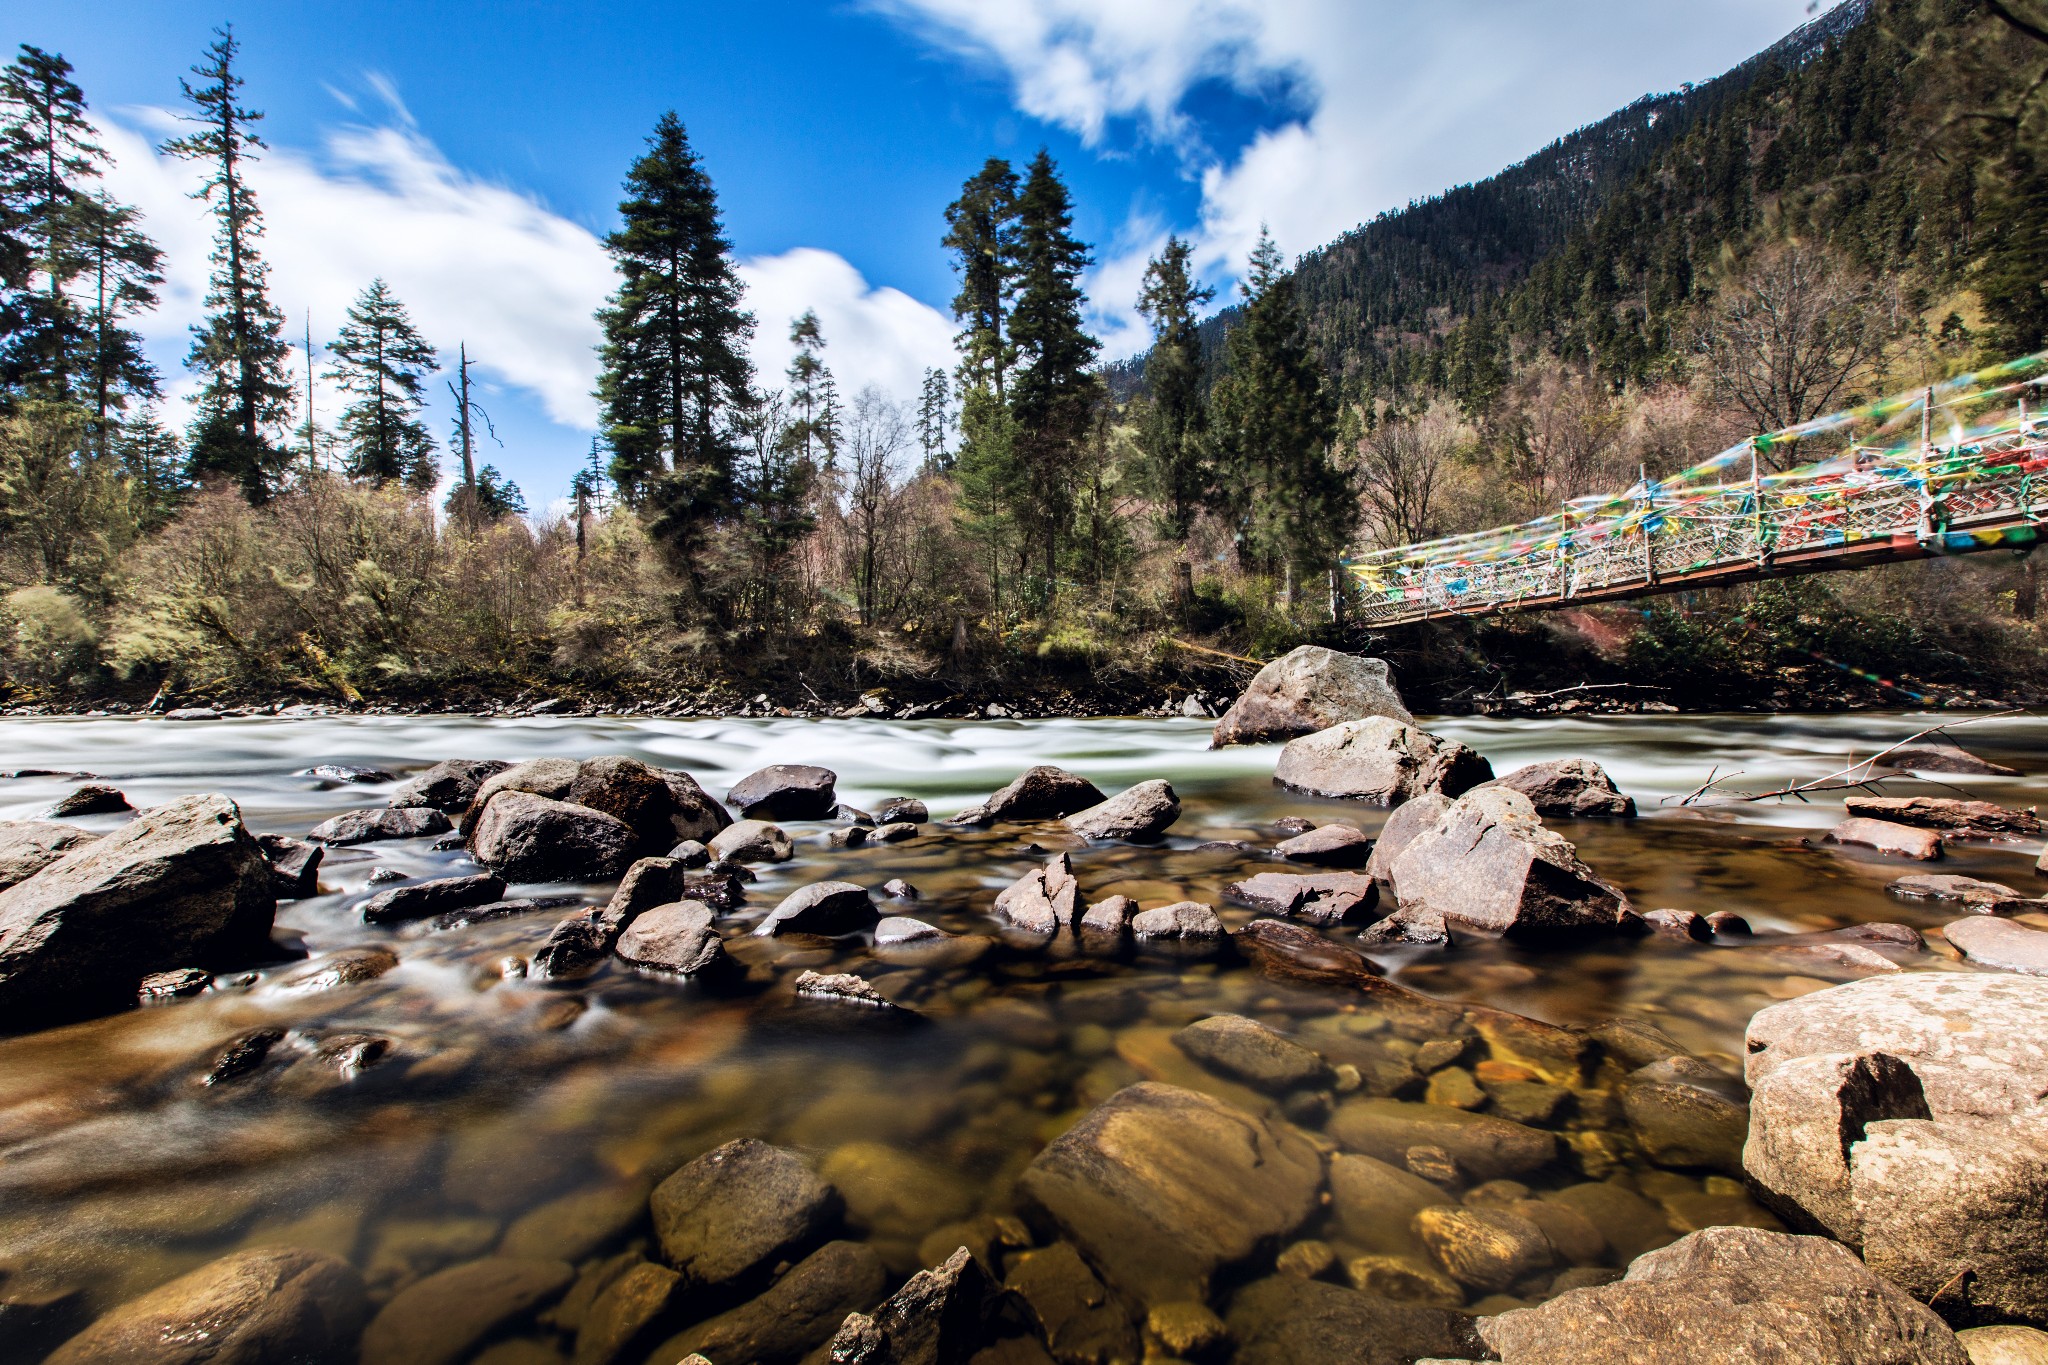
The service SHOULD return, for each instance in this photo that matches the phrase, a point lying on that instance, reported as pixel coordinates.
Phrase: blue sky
(471, 153)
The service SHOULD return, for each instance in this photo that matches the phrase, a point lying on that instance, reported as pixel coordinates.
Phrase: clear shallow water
(509, 1111)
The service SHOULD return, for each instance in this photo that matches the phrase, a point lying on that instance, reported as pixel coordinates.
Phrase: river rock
(438, 896)
(624, 1311)
(1378, 760)
(797, 1314)
(1306, 690)
(737, 1210)
(1041, 793)
(348, 967)
(752, 841)
(1375, 1203)
(1144, 811)
(1248, 1051)
(1940, 754)
(29, 846)
(660, 806)
(443, 1318)
(1904, 1114)
(1684, 1113)
(1077, 1316)
(940, 1317)
(895, 833)
(786, 791)
(1485, 1147)
(1483, 1248)
(2005, 1345)
(1318, 897)
(295, 865)
(377, 825)
(182, 884)
(1328, 846)
(1488, 863)
(678, 939)
(896, 930)
(1981, 897)
(1730, 1294)
(1111, 915)
(841, 988)
(1899, 841)
(1955, 818)
(1570, 788)
(1406, 821)
(449, 786)
(94, 798)
(251, 1308)
(1043, 899)
(1159, 1187)
(529, 838)
(2000, 943)
(1284, 1320)
(902, 810)
(821, 908)
(1183, 920)
(1295, 952)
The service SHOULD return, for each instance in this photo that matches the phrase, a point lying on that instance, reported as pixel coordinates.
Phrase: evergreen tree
(240, 347)
(380, 360)
(675, 371)
(151, 457)
(1171, 427)
(1054, 392)
(123, 267)
(980, 232)
(1274, 419)
(776, 479)
(493, 497)
(934, 418)
(813, 418)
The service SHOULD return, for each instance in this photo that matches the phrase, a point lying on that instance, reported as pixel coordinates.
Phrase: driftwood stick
(1843, 779)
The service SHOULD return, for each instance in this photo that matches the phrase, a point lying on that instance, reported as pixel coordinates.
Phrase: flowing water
(533, 1116)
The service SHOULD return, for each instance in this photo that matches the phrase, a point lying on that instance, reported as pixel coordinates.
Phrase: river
(516, 1114)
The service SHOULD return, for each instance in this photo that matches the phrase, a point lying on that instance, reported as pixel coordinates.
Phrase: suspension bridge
(1955, 468)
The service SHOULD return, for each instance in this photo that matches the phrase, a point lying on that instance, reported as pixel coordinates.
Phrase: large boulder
(1043, 900)
(1730, 1294)
(527, 838)
(1378, 760)
(423, 900)
(179, 885)
(786, 791)
(1888, 837)
(1041, 793)
(449, 786)
(1248, 1051)
(1904, 1114)
(29, 846)
(1488, 864)
(1160, 1187)
(1306, 690)
(1404, 824)
(736, 1210)
(1318, 897)
(1569, 788)
(379, 824)
(251, 1308)
(1144, 811)
(662, 807)
(678, 940)
(821, 908)
(1958, 819)
(2000, 943)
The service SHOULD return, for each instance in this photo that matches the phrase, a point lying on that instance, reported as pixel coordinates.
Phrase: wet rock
(94, 798)
(1904, 1115)
(1080, 1321)
(375, 826)
(450, 785)
(1629, 1223)
(295, 865)
(1980, 897)
(1680, 924)
(29, 846)
(902, 810)
(1186, 1329)
(184, 883)
(1144, 811)
(1733, 1294)
(1489, 864)
(251, 1308)
(853, 836)
(1378, 760)
(1317, 897)
(851, 815)
(1111, 915)
(1634, 1043)
(841, 988)
(1728, 922)
(1159, 1187)
(800, 1312)
(159, 987)
(1183, 920)
(1407, 820)
(1485, 1147)
(1684, 1113)
(623, 1314)
(690, 853)
(821, 908)
(1288, 1321)
(785, 791)
(1248, 1051)
(660, 806)
(752, 841)
(896, 833)
(446, 1316)
(421, 900)
(348, 967)
(895, 1196)
(1404, 1279)
(1041, 793)
(648, 882)
(1043, 899)
(737, 1210)
(898, 889)
(1570, 788)
(242, 1055)
(346, 772)
(1955, 818)
(529, 838)
(1329, 846)
(1306, 690)
(192, 713)
(1415, 925)
(1485, 1249)
(941, 1317)
(899, 929)
(678, 940)
(497, 910)
(1898, 841)
(1293, 951)
(723, 892)
(2000, 943)
(1940, 754)
(2005, 1345)
(577, 1226)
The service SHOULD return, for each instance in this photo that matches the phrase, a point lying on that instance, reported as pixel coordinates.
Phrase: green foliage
(1173, 422)
(381, 360)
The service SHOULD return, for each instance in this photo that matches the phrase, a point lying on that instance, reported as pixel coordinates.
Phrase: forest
(1855, 211)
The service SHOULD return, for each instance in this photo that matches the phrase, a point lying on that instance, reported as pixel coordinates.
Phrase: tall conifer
(1171, 426)
(381, 361)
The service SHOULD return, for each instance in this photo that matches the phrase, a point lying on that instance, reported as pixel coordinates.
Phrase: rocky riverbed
(628, 1041)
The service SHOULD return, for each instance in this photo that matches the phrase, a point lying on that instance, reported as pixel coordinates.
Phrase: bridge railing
(1975, 487)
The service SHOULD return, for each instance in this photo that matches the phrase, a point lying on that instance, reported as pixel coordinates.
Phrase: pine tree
(980, 231)
(1274, 419)
(123, 267)
(934, 418)
(809, 418)
(1054, 392)
(150, 455)
(380, 360)
(240, 347)
(675, 371)
(1170, 431)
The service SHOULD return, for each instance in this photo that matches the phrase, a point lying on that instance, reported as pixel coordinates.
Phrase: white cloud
(873, 335)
